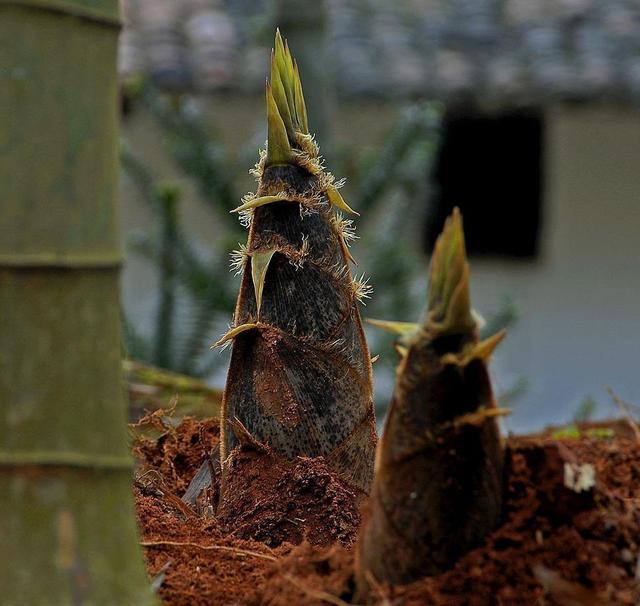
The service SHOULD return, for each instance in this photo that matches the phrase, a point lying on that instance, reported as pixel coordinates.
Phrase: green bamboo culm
(66, 512)
(300, 374)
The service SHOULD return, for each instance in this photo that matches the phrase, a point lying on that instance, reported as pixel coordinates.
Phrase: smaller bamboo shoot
(438, 483)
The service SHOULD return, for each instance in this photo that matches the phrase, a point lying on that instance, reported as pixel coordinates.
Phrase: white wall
(580, 301)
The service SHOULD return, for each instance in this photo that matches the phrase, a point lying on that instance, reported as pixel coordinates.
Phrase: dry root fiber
(300, 374)
(439, 476)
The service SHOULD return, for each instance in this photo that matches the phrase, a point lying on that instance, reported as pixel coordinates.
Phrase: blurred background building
(525, 114)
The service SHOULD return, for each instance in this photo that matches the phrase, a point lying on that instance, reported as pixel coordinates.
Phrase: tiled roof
(502, 51)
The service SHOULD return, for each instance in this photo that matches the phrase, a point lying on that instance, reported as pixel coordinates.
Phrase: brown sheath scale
(438, 485)
(300, 376)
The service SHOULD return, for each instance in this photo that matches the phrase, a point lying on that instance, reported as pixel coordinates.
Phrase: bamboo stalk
(438, 485)
(300, 373)
(68, 529)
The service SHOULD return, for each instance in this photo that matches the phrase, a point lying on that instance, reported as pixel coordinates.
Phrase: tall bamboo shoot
(300, 373)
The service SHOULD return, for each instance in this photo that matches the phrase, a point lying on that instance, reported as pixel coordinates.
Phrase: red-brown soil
(275, 501)
(286, 533)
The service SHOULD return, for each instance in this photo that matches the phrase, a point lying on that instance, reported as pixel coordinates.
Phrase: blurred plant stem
(168, 196)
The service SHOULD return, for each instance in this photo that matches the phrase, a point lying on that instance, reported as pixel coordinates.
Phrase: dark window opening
(491, 168)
